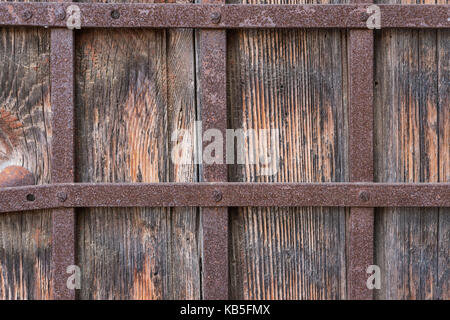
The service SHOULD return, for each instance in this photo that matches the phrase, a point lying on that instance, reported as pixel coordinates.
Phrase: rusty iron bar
(237, 16)
(62, 164)
(360, 223)
(213, 104)
(236, 194)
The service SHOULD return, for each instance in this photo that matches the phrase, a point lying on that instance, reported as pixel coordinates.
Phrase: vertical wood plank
(294, 81)
(412, 145)
(443, 114)
(135, 87)
(182, 114)
(25, 136)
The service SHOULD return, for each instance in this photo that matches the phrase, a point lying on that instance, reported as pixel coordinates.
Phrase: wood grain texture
(412, 144)
(294, 81)
(25, 135)
(134, 89)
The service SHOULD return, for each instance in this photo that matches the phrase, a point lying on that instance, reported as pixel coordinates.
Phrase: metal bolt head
(364, 16)
(60, 14)
(62, 196)
(217, 195)
(215, 17)
(115, 14)
(364, 196)
(27, 15)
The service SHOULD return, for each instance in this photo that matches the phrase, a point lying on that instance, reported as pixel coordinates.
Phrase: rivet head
(27, 14)
(60, 14)
(217, 195)
(364, 16)
(215, 17)
(364, 196)
(62, 196)
(115, 14)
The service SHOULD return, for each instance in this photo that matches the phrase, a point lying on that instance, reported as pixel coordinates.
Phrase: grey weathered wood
(294, 81)
(25, 135)
(134, 89)
(412, 145)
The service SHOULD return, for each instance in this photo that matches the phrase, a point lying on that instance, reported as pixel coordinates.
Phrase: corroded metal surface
(62, 168)
(104, 15)
(360, 222)
(360, 119)
(360, 254)
(213, 103)
(203, 194)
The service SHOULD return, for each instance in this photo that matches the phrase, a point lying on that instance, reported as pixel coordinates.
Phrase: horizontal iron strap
(127, 15)
(223, 194)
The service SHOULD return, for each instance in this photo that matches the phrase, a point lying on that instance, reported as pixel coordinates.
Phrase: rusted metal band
(360, 255)
(360, 119)
(213, 103)
(133, 15)
(360, 223)
(62, 167)
(204, 194)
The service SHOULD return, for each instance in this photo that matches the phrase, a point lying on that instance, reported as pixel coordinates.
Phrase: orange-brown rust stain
(91, 52)
(13, 176)
(143, 283)
(142, 132)
(10, 133)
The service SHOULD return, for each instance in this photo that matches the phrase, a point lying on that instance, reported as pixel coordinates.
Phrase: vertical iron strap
(214, 115)
(361, 220)
(62, 164)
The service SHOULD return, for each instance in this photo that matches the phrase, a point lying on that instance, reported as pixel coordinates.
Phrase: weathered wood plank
(443, 51)
(134, 89)
(25, 135)
(185, 251)
(294, 81)
(412, 145)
